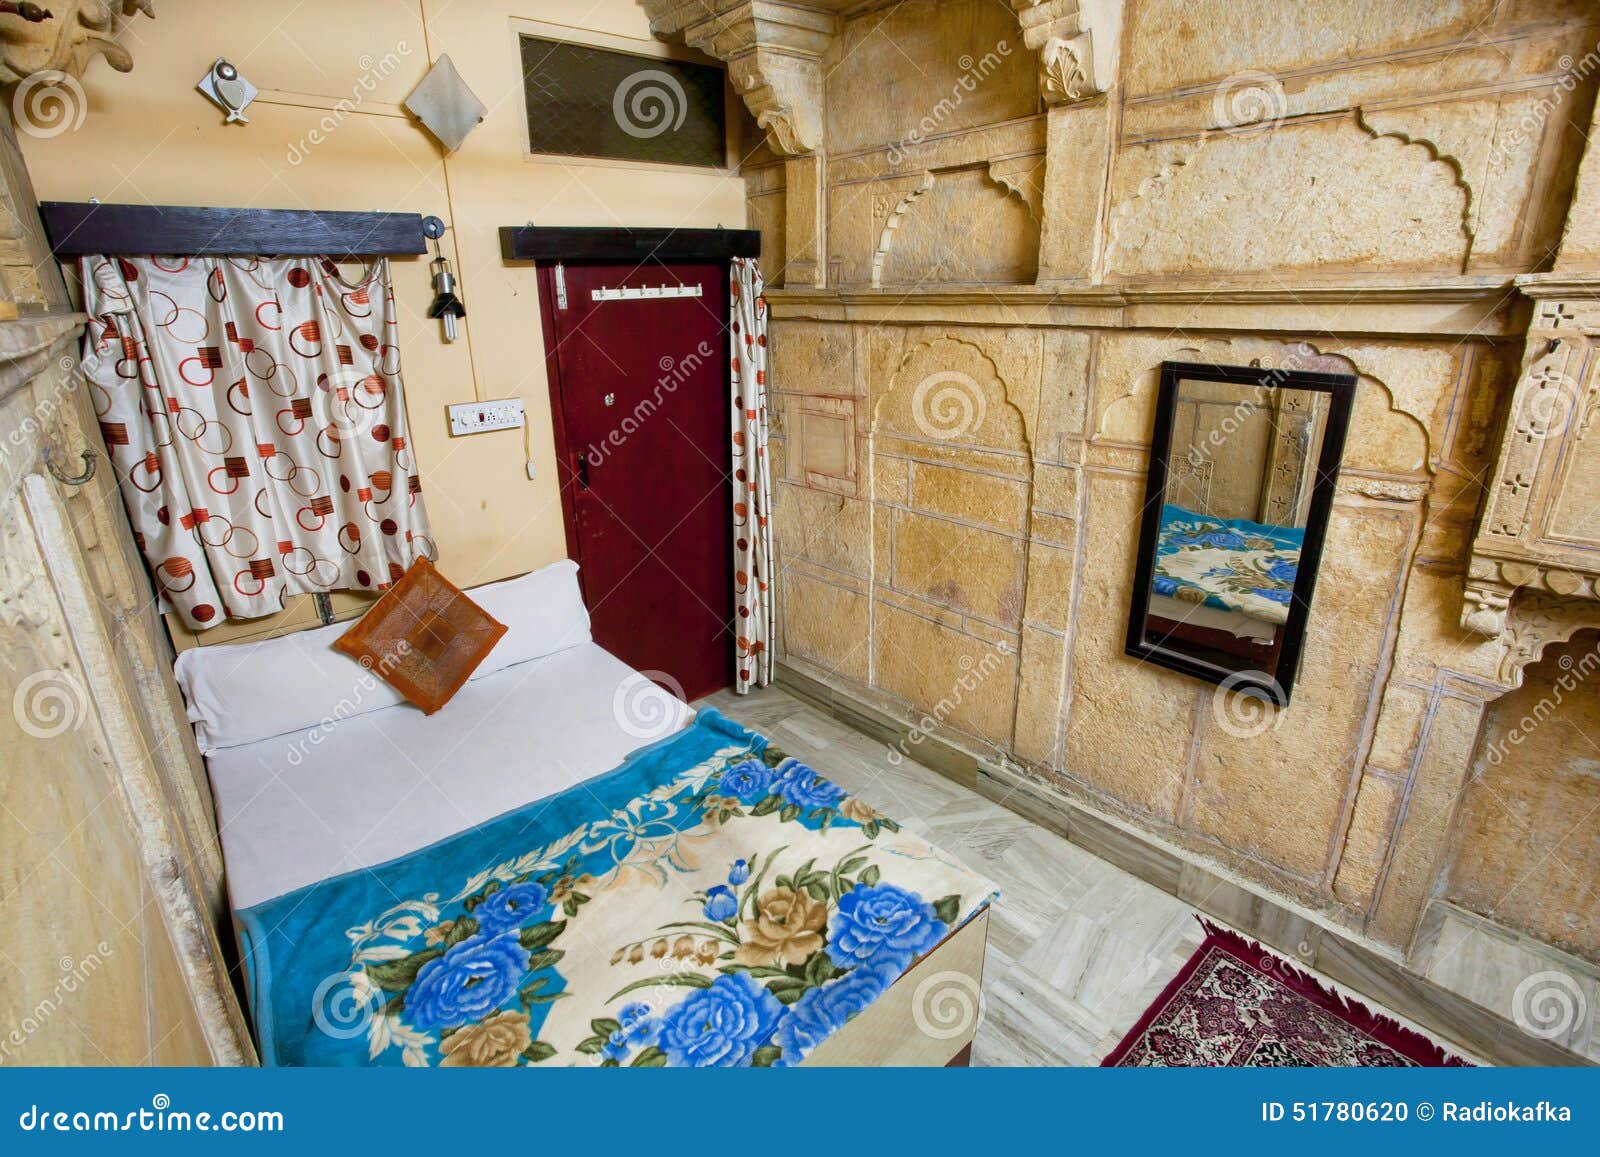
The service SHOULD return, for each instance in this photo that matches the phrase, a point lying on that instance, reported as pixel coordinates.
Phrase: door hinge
(561, 286)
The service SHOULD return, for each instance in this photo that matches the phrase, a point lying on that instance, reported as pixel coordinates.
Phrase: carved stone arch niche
(966, 224)
(951, 492)
(1527, 802)
(1389, 433)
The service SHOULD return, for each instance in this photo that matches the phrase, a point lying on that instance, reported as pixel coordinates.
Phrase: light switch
(481, 417)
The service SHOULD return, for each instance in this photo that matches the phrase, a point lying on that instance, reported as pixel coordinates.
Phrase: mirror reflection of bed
(1240, 484)
(1239, 480)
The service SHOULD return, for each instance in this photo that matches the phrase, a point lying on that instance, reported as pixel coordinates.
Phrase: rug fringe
(1416, 1045)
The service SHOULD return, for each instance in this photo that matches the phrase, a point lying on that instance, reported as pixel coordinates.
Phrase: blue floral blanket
(1230, 564)
(709, 902)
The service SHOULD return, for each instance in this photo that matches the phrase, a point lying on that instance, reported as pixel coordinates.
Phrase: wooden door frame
(609, 246)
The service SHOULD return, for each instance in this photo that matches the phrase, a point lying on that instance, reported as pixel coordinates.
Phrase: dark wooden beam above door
(77, 228)
(548, 243)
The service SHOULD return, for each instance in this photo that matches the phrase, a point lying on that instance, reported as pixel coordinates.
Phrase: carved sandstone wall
(1002, 226)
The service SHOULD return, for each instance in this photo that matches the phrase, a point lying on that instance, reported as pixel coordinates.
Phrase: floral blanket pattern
(709, 902)
(1231, 564)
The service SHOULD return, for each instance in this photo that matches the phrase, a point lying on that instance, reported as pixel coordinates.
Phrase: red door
(638, 365)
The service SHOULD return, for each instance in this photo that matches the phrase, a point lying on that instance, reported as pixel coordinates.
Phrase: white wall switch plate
(480, 417)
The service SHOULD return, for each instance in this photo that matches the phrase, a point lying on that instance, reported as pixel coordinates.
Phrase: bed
(1227, 565)
(565, 865)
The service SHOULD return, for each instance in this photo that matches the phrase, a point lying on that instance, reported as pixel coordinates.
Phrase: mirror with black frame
(1243, 464)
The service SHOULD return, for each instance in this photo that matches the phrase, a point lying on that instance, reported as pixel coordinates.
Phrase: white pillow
(543, 613)
(241, 693)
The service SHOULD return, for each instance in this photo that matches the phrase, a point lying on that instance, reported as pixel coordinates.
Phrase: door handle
(582, 471)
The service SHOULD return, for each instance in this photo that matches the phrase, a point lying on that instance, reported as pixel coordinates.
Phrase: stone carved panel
(1539, 530)
(822, 434)
(1298, 197)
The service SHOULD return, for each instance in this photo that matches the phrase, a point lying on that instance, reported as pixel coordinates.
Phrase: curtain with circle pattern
(752, 482)
(255, 416)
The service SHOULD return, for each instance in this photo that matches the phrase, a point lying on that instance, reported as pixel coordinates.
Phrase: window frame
(628, 46)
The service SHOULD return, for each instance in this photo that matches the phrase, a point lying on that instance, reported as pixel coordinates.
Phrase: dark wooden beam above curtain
(76, 228)
(545, 243)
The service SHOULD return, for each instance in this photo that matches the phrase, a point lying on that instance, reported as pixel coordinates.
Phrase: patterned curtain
(255, 418)
(752, 493)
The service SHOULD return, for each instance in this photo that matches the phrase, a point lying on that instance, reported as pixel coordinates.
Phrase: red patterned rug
(1236, 1005)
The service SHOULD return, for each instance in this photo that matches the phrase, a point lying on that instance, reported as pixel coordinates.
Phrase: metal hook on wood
(90, 461)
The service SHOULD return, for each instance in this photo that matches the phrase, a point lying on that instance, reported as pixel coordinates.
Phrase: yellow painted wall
(149, 137)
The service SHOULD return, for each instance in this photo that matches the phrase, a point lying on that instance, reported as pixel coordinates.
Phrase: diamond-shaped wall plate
(444, 103)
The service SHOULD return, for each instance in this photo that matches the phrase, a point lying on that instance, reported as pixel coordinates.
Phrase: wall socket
(481, 417)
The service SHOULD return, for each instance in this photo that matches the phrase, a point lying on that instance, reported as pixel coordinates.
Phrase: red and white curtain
(255, 417)
(752, 480)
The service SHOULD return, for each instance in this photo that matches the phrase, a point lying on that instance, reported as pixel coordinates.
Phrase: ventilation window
(590, 102)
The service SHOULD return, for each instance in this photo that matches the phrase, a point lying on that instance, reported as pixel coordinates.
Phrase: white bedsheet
(379, 785)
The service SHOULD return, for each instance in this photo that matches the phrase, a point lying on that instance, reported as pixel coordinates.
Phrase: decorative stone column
(1077, 42)
(77, 32)
(774, 53)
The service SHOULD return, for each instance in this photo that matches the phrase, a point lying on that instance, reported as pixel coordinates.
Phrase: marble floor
(1078, 948)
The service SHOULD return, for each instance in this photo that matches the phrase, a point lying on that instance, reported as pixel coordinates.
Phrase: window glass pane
(588, 102)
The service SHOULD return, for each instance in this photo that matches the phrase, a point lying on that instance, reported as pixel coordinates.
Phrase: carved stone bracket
(78, 31)
(1533, 622)
(774, 53)
(1539, 532)
(1077, 43)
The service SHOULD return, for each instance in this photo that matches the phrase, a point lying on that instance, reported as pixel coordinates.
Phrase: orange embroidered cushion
(424, 637)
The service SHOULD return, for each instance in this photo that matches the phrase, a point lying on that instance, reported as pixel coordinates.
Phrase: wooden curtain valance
(76, 228)
(549, 243)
